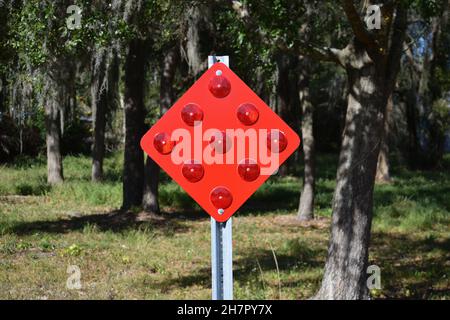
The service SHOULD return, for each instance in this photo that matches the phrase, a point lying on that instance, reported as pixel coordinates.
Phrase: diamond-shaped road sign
(220, 142)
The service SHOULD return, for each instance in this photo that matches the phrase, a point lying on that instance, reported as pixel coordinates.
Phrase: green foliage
(39, 32)
(441, 115)
(73, 250)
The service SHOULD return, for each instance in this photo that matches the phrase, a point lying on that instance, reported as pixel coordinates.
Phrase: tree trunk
(104, 93)
(150, 201)
(284, 90)
(99, 105)
(193, 45)
(306, 206)
(371, 79)
(3, 95)
(133, 170)
(168, 68)
(383, 175)
(53, 139)
(345, 270)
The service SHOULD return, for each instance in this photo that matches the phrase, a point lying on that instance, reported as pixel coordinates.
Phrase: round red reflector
(248, 169)
(191, 113)
(221, 197)
(276, 141)
(163, 143)
(193, 171)
(248, 114)
(220, 142)
(219, 86)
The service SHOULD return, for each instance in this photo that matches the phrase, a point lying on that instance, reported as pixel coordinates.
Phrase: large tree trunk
(371, 79)
(53, 139)
(306, 206)
(150, 199)
(383, 175)
(133, 169)
(345, 269)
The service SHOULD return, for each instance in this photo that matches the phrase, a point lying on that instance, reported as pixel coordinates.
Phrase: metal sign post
(221, 241)
(222, 259)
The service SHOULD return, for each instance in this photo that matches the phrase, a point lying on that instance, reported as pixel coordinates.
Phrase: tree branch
(321, 54)
(304, 48)
(396, 50)
(357, 25)
(416, 66)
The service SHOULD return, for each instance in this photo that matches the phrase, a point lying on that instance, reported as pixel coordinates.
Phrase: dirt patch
(18, 199)
(316, 223)
(150, 217)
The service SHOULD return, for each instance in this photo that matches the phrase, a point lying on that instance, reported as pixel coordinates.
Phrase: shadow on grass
(246, 269)
(115, 221)
(412, 268)
(279, 194)
(407, 271)
(435, 194)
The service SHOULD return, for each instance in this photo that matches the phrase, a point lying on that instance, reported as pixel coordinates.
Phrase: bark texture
(345, 275)
(193, 46)
(371, 78)
(306, 206)
(287, 95)
(53, 141)
(56, 79)
(104, 91)
(99, 98)
(133, 170)
(168, 68)
(383, 175)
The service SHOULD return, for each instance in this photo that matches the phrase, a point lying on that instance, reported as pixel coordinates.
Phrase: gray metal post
(221, 241)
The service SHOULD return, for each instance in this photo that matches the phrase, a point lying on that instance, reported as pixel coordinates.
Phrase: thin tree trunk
(383, 175)
(284, 96)
(53, 139)
(104, 93)
(168, 68)
(306, 206)
(3, 95)
(150, 202)
(99, 105)
(133, 170)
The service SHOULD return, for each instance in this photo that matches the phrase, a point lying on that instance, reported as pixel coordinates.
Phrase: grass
(44, 231)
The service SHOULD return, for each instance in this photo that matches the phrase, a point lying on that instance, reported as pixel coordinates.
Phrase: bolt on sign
(220, 142)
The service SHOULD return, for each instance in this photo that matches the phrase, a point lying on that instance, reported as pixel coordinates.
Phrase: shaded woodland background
(377, 98)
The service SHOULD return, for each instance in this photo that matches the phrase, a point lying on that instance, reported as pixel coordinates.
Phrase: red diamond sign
(220, 142)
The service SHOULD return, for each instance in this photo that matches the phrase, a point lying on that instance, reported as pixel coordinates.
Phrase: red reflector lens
(248, 169)
(193, 171)
(191, 113)
(219, 86)
(221, 197)
(276, 141)
(247, 114)
(163, 143)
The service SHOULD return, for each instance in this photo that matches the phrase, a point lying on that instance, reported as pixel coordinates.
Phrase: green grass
(44, 230)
